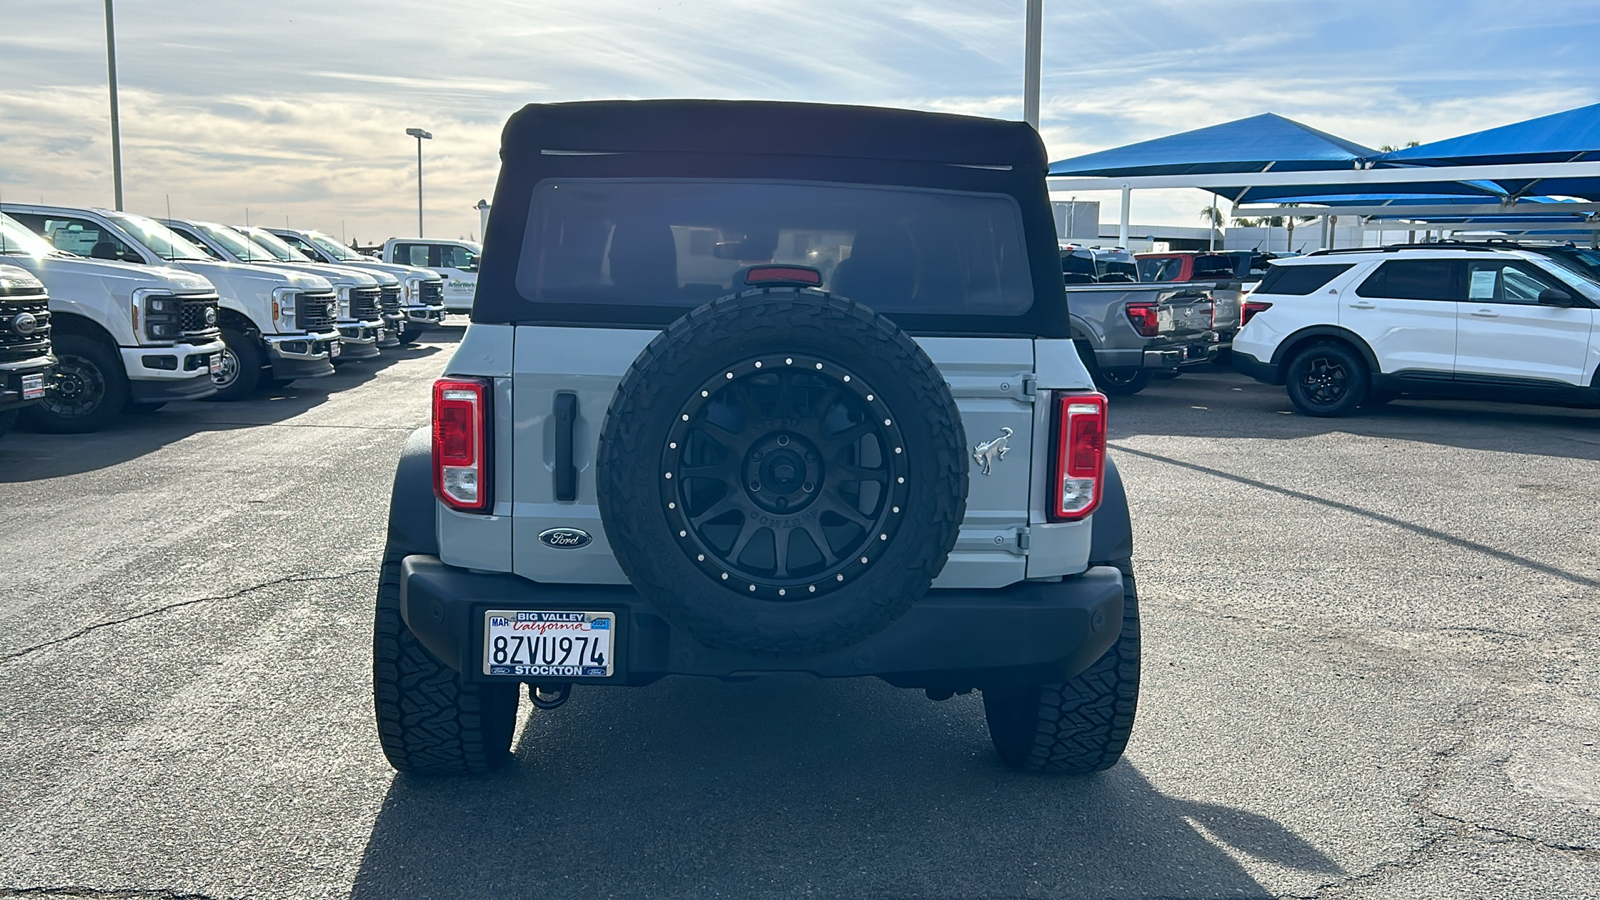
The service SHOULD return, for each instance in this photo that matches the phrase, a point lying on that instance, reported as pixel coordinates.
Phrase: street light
(421, 136)
(116, 126)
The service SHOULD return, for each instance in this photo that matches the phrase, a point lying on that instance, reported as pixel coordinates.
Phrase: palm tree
(1290, 223)
(1213, 216)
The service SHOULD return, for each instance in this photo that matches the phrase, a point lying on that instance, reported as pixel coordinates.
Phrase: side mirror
(1555, 297)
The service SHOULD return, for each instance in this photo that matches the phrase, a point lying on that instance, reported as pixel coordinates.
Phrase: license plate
(548, 643)
(214, 363)
(334, 348)
(33, 386)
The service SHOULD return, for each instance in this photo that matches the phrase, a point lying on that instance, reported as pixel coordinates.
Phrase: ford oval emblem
(25, 323)
(211, 315)
(565, 538)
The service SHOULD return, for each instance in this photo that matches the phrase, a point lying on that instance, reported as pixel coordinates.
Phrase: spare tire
(782, 471)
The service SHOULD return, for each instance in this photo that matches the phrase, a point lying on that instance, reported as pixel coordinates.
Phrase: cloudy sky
(298, 110)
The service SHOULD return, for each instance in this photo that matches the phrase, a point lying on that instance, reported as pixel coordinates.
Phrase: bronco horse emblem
(988, 453)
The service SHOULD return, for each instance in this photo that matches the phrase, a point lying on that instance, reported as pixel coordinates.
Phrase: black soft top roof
(765, 139)
(758, 127)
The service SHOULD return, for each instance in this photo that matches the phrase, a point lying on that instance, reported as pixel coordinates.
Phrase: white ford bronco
(761, 387)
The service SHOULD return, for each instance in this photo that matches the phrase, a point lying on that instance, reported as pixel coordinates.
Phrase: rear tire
(90, 390)
(242, 363)
(1328, 379)
(1122, 382)
(1081, 725)
(430, 720)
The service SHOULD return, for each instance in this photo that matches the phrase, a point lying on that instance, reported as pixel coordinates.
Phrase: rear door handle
(1362, 304)
(1486, 314)
(566, 473)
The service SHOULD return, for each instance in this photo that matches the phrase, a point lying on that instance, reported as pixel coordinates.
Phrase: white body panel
(441, 256)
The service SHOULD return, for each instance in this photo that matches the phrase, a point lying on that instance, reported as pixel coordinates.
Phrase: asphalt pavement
(1370, 671)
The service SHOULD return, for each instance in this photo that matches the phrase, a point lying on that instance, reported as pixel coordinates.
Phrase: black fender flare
(1111, 529)
(1282, 355)
(413, 510)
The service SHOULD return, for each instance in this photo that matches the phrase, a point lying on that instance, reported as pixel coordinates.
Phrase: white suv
(1350, 328)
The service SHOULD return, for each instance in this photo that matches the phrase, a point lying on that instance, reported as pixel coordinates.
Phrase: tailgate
(989, 379)
(1184, 315)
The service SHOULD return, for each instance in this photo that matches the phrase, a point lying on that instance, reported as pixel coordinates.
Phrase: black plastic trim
(413, 511)
(1028, 633)
(565, 414)
(1111, 528)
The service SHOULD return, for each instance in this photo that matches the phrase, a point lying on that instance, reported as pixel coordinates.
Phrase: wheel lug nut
(755, 485)
(808, 487)
(756, 455)
(783, 440)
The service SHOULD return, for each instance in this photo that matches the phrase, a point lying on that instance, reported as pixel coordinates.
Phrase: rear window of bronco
(682, 242)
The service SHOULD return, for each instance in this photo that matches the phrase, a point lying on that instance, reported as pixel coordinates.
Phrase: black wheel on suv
(240, 373)
(90, 390)
(793, 496)
(430, 720)
(1081, 725)
(1328, 379)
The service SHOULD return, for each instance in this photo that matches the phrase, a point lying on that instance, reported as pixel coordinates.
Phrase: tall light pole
(1030, 86)
(116, 126)
(421, 136)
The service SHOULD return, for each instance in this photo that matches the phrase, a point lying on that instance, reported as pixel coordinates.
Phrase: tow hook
(549, 696)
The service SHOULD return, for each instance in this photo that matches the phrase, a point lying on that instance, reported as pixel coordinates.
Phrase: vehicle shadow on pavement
(784, 787)
(32, 456)
(1225, 404)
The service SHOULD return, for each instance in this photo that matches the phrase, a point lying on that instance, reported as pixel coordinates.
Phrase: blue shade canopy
(1367, 194)
(1254, 144)
(1571, 136)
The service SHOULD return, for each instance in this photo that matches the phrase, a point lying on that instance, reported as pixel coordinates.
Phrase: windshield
(16, 239)
(242, 248)
(157, 238)
(274, 245)
(1575, 274)
(679, 243)
(335, 249)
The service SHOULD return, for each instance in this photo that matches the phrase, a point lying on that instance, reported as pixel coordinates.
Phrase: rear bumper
(1255, 368)
(1029, 633)
(1161, 356)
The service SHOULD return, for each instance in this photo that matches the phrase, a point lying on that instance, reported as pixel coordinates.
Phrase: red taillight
(1251, 307)
(1144, 318)
(1080, 457)
(461, 443)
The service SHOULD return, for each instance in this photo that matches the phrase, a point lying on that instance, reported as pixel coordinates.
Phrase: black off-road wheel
(89, 392)
(430, 720)
(1081, 725)
(1328, 379)
(782, 471)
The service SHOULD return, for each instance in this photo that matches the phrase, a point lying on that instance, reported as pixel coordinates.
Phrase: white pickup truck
(422, 299)
(122, 334)
(455, 261)
(275, 323)
(361, 326)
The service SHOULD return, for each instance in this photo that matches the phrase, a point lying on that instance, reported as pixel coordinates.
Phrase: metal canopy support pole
(1127, 202)
(1030, 86)
(116, 124)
